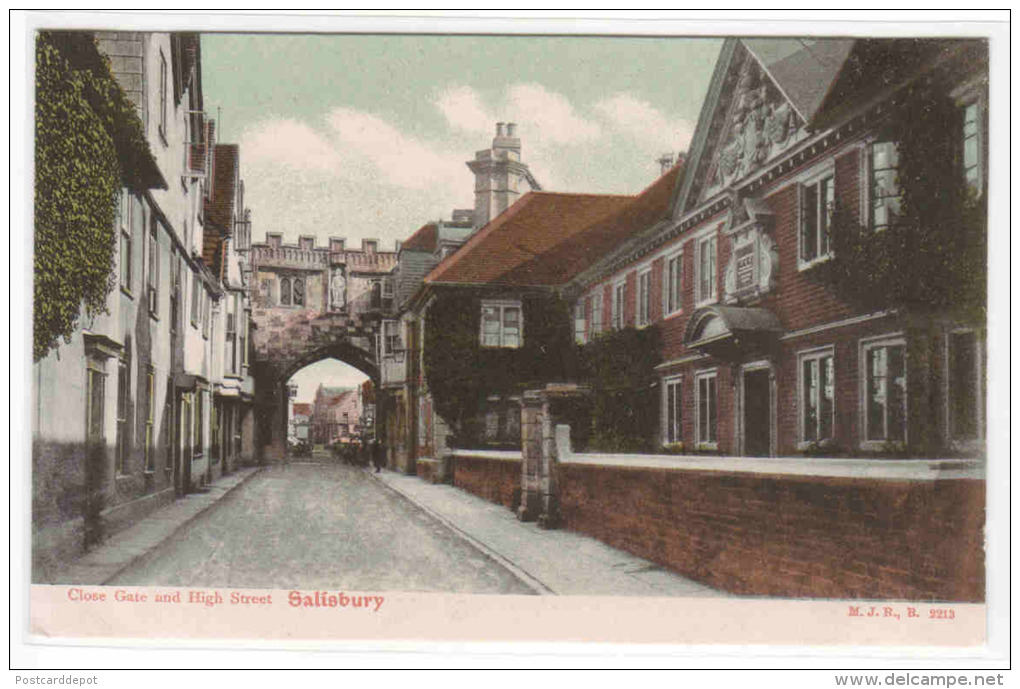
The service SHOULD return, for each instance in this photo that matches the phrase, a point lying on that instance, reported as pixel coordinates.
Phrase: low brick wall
(430, 470)
(789, 536)
(496, 479)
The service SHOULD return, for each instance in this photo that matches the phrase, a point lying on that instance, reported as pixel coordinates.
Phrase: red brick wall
(630, 299)
(607, 307)
(495, 480)
(655, 298)
(789, 536)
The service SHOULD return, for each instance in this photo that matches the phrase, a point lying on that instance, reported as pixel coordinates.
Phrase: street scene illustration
(522, 315)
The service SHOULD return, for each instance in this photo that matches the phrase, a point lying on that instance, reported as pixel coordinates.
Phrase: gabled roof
(517, 247)
(582, 250)
(424, 239)
(802, 68)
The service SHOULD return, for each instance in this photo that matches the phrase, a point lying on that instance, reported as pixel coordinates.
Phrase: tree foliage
(462, 375)
(619, 366)
(933, 255)
(88, 143)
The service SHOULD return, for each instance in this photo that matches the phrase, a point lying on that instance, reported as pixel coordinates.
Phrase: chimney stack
(665, 162)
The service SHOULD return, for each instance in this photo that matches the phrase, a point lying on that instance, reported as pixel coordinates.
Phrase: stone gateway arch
(311, 303)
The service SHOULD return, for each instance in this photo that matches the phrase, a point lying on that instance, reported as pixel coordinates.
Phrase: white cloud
(463, 109)
(355, 176)
(637, 119)
(399, 160)
(290, 143)
(551, 117)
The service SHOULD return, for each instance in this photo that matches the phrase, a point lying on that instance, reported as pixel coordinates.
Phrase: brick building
(759, 356)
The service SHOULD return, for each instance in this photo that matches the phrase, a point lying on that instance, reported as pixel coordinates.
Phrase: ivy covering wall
(932, 257)
(462, 375)
(619, 367)
(89, 143)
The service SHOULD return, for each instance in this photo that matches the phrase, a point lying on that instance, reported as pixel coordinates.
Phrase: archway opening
(330, 410)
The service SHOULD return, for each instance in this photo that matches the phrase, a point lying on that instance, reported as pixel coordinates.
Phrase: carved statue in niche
(338, 288)
(267, 292)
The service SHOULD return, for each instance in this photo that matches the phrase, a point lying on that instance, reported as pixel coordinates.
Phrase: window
(619, 294)
(672, 411)
(162, 96)
(376, 294)
(501, 324)
(214, 432)
(579, 322)
(817, 396)
(885, 398)
(672, 285)
(392, 340)
(644, 294)
(153, 266)
(964, 394)
(231, 341)
(196, 302)
(707, 270)
(707, 410)
(95, 394)
(244, 338)
(125, 216)
(206, 314)
(123, 401)
(150, 399)
(973, 145)
(284, 291)
(817, 200)
(198, 441)
(885, 190)
(175, 288)
(595, 314)
(298, 288)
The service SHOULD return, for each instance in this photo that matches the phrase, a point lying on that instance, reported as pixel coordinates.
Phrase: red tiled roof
(219, 211)
(304, 408)
(528, 229)
(424, 239)
(546, 239)
(580, 251)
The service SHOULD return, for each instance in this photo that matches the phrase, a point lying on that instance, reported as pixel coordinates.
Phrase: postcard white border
(708, 23)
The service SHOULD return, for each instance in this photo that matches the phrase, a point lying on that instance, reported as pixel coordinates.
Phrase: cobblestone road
(319, 526)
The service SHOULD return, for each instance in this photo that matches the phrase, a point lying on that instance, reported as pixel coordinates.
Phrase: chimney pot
(511, 129)
(499, 129)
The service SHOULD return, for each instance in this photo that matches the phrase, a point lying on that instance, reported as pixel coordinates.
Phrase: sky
(366, 136)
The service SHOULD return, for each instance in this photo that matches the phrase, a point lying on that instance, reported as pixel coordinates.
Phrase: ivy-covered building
(140, 393)
(818, 281)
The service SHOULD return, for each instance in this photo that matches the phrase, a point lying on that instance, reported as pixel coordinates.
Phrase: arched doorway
(331, 405)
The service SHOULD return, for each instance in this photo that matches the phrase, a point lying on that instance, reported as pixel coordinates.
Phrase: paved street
(320, 525)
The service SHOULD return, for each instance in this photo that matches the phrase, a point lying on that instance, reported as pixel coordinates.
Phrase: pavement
(120, 551)
(545, 562)
(550, 561)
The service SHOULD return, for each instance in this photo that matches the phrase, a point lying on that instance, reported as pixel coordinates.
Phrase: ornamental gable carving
(757, 124)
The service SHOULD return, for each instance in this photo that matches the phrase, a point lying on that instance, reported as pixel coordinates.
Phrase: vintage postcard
(351, 330)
